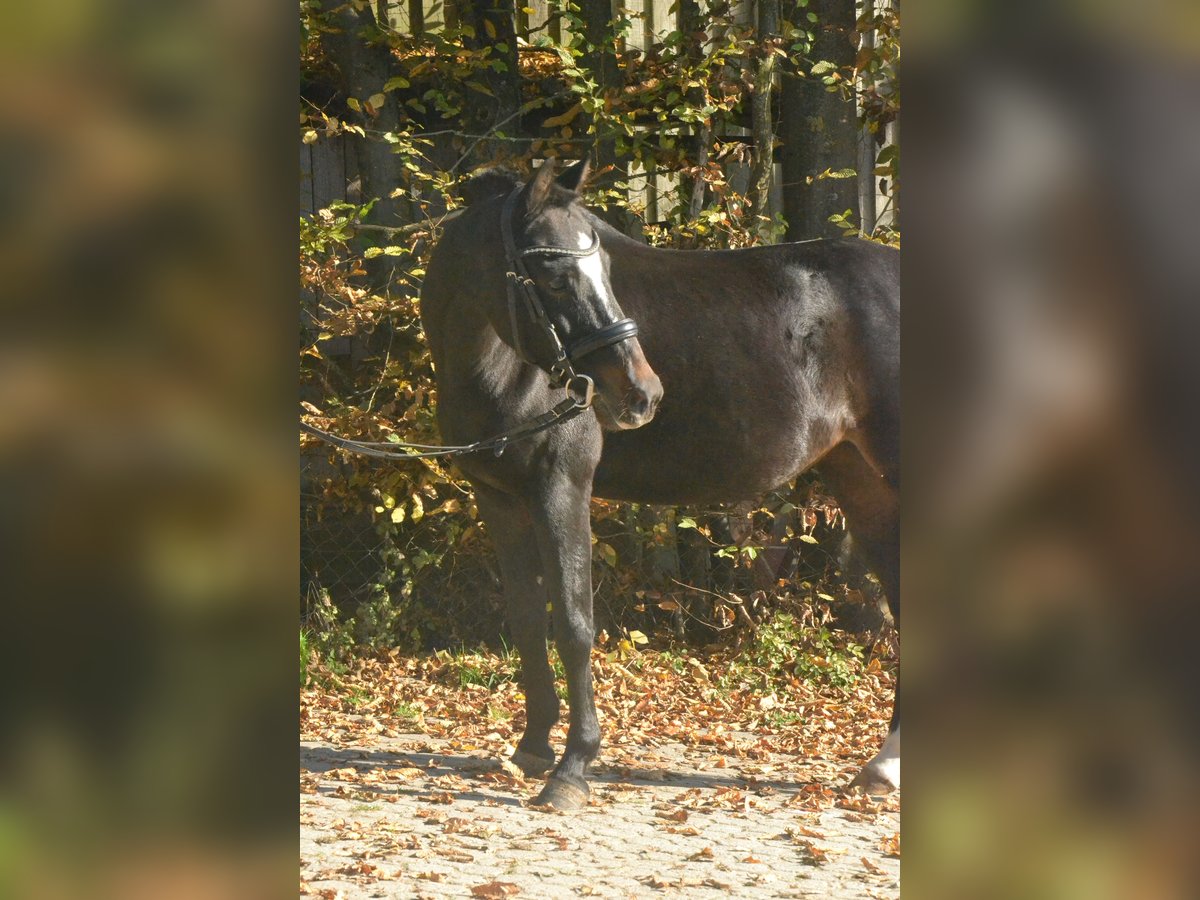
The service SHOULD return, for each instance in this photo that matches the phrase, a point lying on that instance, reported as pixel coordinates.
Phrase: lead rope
(565, 410)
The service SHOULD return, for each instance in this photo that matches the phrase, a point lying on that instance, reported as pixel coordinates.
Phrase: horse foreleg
(563, 527)
(511, 528)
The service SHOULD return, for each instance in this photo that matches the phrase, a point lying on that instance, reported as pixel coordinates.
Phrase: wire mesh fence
(435, 582)
(339, 555)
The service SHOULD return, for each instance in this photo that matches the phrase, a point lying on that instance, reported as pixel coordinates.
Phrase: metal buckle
(581, 389)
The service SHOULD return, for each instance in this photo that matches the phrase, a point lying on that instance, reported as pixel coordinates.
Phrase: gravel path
(412, 816)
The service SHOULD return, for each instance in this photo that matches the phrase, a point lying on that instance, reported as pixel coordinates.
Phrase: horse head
(556, 259)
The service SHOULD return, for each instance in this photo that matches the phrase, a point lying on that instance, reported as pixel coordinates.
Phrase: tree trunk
(693, 26)
(364, 63)
(496, 112)
(761, 124)
(819, 130)
(601, 60)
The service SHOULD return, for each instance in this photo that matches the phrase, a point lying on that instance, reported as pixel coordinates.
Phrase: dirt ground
(413, 815)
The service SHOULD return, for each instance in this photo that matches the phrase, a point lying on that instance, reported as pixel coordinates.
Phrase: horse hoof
(562, 795)
(872, 781)
(531, 764)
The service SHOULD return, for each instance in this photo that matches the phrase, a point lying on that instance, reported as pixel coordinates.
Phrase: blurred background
(1051, 508)
(148, 452)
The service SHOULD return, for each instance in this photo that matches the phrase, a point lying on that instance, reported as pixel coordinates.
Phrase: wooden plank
(328, 171)
(307, 206)
(659, 21)
(635, 38)
(541, 12)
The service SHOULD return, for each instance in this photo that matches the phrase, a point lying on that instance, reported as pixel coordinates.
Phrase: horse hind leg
(872, 507)
(511, 528)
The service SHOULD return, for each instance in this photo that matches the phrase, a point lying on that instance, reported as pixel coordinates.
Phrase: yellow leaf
(377, 100)
(638, 638)
(489, 28)
(565, 118)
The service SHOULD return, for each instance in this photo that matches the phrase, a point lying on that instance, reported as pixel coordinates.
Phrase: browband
(563, 251)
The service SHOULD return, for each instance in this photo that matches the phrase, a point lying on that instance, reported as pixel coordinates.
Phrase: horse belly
(663, 465)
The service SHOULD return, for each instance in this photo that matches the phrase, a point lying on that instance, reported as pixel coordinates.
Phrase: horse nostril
(643, 403)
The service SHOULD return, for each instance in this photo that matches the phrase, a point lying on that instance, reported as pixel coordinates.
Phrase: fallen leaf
(495, 889)
(891, 845)
(512, 769)
(813, 855)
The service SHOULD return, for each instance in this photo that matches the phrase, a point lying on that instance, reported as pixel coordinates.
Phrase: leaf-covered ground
(707, 784)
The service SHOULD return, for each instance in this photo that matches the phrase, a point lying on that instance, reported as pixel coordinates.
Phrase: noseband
(520, 283)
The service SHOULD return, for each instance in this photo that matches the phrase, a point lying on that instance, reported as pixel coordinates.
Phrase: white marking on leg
(887, 760)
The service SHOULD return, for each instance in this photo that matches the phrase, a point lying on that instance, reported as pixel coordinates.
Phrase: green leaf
(607, 553)
(808, 539)
(686, 522)
(394, 84)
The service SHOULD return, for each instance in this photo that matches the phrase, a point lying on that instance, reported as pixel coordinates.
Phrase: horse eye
(558, 283)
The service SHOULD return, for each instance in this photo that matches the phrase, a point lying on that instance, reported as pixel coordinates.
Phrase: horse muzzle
(629, 399)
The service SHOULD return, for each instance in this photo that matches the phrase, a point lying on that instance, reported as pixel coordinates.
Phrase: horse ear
(538, 189)
(574, 178)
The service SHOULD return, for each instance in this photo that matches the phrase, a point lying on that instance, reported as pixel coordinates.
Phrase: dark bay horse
(766, 361)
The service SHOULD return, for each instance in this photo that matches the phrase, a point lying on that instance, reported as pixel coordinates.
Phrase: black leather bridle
(520, 283)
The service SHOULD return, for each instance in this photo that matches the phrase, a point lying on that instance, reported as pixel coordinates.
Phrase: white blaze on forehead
(593, 270)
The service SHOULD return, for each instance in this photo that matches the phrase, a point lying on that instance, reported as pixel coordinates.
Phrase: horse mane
(489, 183)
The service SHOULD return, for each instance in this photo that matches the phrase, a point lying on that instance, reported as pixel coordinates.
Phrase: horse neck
(464, 325)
